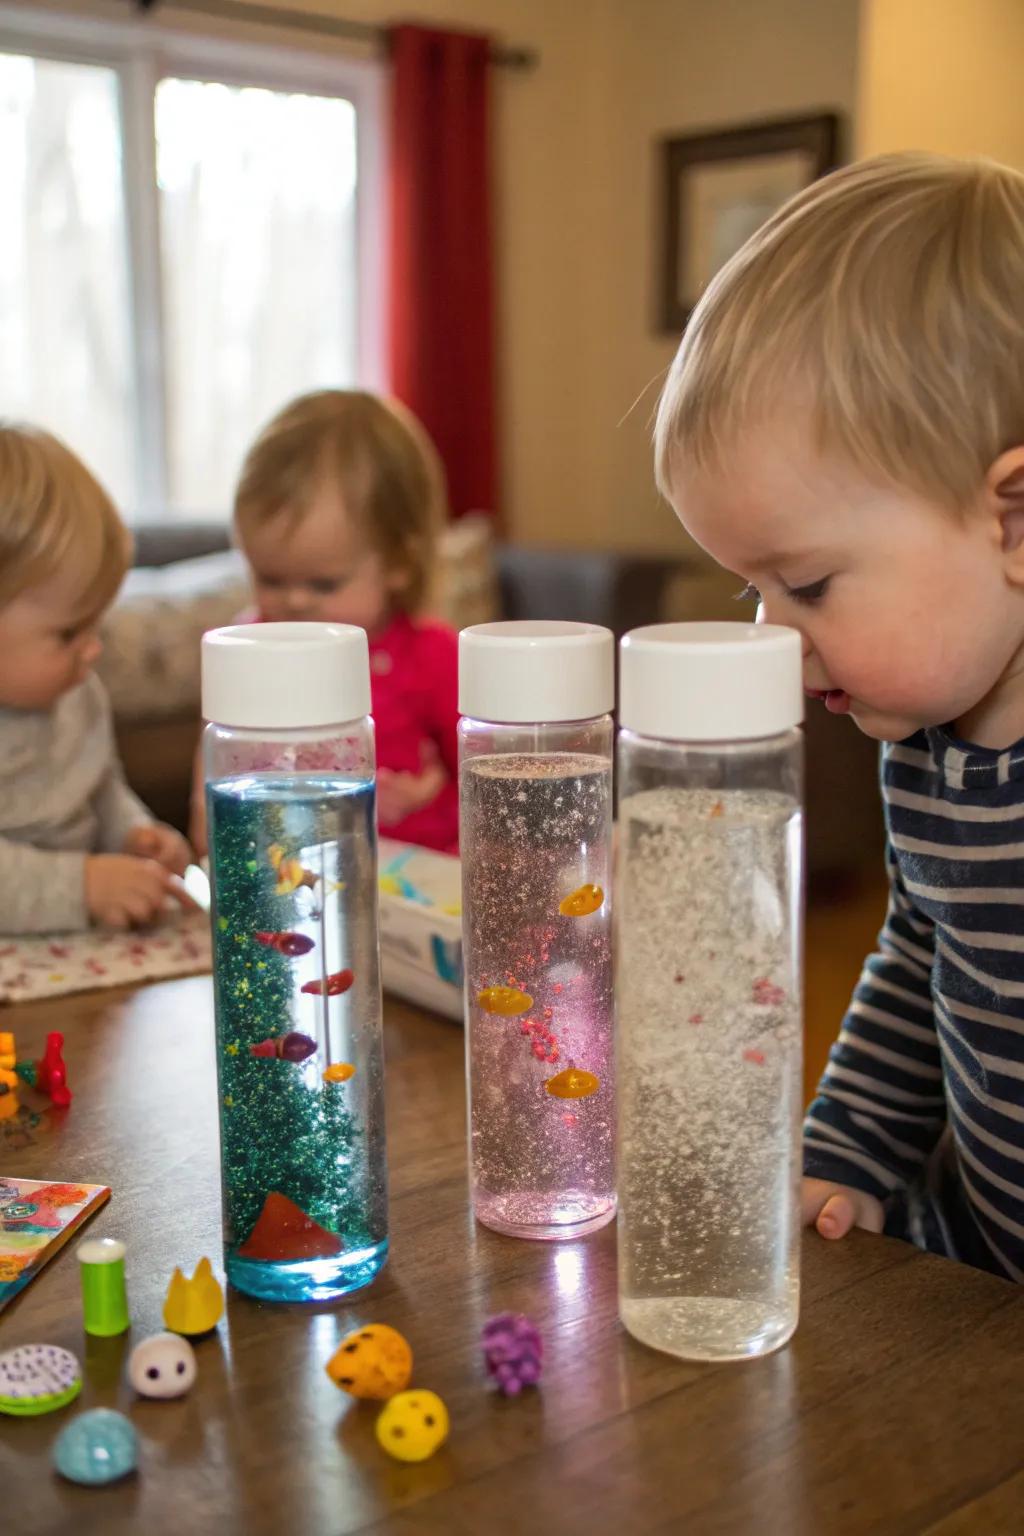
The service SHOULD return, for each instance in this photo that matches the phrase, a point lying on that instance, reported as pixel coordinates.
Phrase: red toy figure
(52, 1074)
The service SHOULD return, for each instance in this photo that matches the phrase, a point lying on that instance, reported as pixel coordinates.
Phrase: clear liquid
(709, 1051)
(534, 830)
(285, 1130)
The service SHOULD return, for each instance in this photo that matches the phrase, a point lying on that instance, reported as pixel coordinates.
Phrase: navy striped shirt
(922, 1101)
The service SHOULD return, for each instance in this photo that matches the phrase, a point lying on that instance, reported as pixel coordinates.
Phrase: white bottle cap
(530, 672)
(285, 676)
(101, 1250)
(711, 682)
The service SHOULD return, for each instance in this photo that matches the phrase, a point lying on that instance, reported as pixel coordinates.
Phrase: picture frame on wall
(718, 187)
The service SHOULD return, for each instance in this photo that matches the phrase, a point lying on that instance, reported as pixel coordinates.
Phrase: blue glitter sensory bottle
(289, 761)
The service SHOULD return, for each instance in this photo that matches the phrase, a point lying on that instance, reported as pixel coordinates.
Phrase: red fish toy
(334, 985)
(290, 944)
(290, 1047)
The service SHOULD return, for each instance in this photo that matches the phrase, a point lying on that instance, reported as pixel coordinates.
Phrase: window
(191, 239)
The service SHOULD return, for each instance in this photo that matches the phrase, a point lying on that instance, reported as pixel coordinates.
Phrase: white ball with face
(163, 1365)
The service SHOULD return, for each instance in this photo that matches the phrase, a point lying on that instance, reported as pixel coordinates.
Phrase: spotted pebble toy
(413, 1425)
(96, 1447)
(163, 1365)
(513, 1352)
(37, 1378)
(375, 1362)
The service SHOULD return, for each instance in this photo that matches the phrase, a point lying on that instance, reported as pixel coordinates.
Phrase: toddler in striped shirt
(843, 426)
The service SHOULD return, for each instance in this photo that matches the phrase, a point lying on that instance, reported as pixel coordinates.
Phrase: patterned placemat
(58, 964)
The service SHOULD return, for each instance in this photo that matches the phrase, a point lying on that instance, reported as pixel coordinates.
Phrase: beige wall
(682, 66)
(942, 75)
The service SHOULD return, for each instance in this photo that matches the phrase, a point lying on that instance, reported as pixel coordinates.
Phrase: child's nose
(297, 600)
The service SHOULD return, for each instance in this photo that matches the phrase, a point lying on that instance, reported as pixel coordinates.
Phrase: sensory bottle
(289, 760)
(708, 986)
(535, 776)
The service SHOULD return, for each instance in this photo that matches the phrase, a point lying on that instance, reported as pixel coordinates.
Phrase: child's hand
(162, 843)
(126, 892)
(399, 794)
(835, 1208)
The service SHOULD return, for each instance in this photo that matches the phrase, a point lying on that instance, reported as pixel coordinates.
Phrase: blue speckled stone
(98, 1447)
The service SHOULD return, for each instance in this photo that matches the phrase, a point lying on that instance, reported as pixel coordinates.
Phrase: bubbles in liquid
(535, 830)
(709, 1071)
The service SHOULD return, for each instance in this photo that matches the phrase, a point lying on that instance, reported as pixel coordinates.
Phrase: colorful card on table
(36, 1219)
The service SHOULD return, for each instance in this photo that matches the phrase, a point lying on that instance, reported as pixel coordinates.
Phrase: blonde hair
(382, 460)
(54, 515)
(886, 300)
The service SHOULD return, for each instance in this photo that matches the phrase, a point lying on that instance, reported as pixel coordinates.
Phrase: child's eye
(750, 594)
(269, 581)
(811, 594)
(324, 585)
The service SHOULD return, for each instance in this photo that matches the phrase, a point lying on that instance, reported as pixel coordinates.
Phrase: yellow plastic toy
(194, 1306)
(581, 903)
(9, 1082)
(7, 1052)
(413, 1425)
(372, 1362)
(508, 1001)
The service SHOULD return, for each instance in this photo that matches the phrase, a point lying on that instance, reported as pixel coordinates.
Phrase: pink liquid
(534, 830)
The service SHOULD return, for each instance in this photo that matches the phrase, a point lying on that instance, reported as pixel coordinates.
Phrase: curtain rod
(325, 26)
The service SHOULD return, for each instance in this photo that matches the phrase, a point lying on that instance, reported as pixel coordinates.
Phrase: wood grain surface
(897, 1408)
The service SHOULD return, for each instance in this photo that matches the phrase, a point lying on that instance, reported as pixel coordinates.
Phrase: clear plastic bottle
(709, 987)
(535, 753)
(293, 863)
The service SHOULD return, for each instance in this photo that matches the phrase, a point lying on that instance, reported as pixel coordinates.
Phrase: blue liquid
(297, 856)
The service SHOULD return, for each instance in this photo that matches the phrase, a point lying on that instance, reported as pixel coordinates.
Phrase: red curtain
(441, 307)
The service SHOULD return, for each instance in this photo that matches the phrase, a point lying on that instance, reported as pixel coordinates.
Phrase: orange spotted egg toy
(373, 1362)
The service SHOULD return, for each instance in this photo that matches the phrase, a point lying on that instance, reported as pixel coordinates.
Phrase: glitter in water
(533, 828)
(710, 1116)
(285, 1133)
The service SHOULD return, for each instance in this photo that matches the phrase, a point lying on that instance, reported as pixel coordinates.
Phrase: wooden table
(897, 1408)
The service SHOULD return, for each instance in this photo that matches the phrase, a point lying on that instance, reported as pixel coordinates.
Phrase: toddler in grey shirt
(76, 846)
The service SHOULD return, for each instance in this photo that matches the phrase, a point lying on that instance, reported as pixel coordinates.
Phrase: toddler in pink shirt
(337, 512)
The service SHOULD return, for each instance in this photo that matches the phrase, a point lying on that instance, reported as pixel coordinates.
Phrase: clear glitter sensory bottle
(293, 864)
(708, 984)
(535, 754)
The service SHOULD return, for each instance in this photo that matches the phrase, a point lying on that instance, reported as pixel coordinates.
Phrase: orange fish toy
(573, 1083)
(507, 1001)
(581, 903)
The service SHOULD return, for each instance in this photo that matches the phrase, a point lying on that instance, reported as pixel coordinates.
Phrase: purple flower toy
(512, 1352)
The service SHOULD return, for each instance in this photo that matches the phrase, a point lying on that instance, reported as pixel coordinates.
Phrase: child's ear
(1004, 485)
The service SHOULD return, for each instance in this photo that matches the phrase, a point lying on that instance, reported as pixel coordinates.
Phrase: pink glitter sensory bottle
(535, 753)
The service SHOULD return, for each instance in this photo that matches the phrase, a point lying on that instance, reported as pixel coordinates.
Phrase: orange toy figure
(7, 1057)
(290, 873)
(573, 1083)
(508, 1001)
(372, 1362)
(8, 1094)
(581, 903)
(339, 1073)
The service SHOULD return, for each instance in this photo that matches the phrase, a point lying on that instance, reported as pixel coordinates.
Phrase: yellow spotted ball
(372, 1362)
(413, 1425)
